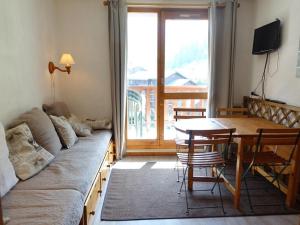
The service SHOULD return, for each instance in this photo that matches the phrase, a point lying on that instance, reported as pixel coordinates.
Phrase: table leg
(293, 181)
(239, 173)
(190, 178)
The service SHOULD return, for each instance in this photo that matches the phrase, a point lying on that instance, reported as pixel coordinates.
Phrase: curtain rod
(172, 5)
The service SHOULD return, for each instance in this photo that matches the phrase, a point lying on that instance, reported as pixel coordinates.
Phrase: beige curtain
(118, 54)
(222, 23)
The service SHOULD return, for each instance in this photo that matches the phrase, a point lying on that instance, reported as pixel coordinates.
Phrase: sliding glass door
(167, 68)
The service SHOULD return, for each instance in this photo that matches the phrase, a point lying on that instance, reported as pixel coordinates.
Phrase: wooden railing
(149, 94)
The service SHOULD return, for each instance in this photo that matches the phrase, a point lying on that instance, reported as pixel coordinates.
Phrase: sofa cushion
(57, 109)
(81, 129)
(72, 169)
(26, 155)
(8, 177)
(65, 131)
(47, 207)
(42, 129)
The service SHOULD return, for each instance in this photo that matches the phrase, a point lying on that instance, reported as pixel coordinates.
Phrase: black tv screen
(266, 38)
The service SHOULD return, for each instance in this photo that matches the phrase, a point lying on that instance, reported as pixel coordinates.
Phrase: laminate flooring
(169, 161)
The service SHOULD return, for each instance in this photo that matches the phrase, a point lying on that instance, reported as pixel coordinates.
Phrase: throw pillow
(42, 129)
(99, 124)
(65, 131)
(26, 155)
(81, 129)
(57, 109)
(8, 177)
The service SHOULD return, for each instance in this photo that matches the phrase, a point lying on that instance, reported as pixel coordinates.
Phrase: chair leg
(282, 198)
(180, 189)
(185, 190)
(221, 198)
(218, 176)
(177, 168)
(248, 194)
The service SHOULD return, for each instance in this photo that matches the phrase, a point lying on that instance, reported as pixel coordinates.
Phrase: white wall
(83, 31)
(282, 85)
(27, 42)
(243, 57)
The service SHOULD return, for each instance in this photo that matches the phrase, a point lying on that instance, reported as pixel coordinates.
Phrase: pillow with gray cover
(65, 131)
(27, 157)
(81, 129)
(104, 124)
(42, 129)
(57, 109)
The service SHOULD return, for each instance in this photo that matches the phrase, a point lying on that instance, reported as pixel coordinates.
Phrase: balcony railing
(142, 108)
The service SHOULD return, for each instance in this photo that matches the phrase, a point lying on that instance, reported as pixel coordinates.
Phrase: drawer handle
(104, 179)
(92, 213)
(99, 191)
(108, 166)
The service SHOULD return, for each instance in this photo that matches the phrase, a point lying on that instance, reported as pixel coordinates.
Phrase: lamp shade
(67, 59)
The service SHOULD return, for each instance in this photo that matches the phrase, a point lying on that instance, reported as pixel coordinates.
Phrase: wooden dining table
(246, 129)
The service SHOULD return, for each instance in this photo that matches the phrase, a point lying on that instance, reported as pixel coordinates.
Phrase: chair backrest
(212, 137)
(189, 113)
(232, 112)
(277, 137)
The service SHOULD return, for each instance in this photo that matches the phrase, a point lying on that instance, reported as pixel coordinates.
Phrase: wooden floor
(250, 220)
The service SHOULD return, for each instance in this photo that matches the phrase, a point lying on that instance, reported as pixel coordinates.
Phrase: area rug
(150, 192)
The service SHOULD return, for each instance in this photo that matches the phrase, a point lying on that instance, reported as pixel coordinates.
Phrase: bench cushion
(63, 207)
(74, 168)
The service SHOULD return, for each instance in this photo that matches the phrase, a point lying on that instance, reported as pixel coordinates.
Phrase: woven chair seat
(201, 159)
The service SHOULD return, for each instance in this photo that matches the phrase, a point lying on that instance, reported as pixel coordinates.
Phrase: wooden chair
(189, 113)
(264, 156)
(211, 159)
(185, 113)
(232, 112)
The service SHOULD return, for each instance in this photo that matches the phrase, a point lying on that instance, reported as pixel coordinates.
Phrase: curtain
(117, 19)
(222, 25)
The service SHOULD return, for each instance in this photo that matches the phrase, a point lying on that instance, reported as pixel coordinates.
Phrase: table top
(244, 126)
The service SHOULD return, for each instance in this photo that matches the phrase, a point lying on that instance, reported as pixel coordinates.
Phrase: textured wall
(82, 29)
(26, 45)
(282, 83)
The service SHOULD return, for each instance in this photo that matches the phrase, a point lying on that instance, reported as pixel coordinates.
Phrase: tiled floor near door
(260, 220)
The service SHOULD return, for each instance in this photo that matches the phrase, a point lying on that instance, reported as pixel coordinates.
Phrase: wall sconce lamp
(67, 60)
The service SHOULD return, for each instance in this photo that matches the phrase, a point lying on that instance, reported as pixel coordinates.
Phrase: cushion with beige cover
(65, 131)
(27, 157)
(57, 109)
(8, 177)
(81, 129)
(104, 124)
(42, 129)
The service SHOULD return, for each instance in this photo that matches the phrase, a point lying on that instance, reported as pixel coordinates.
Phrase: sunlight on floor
(129, 165)
(164, 165)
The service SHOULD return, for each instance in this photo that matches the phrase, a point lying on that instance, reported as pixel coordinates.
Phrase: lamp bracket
(52, 68)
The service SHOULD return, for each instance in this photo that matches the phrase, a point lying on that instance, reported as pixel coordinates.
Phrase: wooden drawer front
(111, 153)
(103, 174)
(104, 170)
(90, 203)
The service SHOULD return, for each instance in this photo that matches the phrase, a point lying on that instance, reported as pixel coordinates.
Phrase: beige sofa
(67, 190)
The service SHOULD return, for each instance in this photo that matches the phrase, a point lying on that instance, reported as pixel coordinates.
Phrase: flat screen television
(266, 38)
